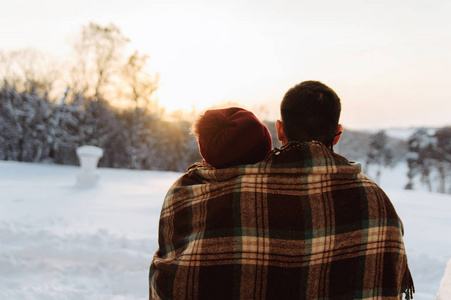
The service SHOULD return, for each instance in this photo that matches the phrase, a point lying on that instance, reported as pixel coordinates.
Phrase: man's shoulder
(310, 158)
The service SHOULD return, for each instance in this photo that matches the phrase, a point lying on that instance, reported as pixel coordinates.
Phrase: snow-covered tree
(180, 146)
(380, 153)
(443, 159)
(83, 122)
(420, 148)
(10, 129)
(428, 157)
(24, 126)
(142, 135)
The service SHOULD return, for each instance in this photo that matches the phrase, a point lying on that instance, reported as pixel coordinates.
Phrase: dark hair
(310, 111)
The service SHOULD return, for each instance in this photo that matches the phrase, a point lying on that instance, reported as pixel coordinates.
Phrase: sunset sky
(389, 61)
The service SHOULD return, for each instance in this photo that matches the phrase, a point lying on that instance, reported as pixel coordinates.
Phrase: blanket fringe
(410, 289)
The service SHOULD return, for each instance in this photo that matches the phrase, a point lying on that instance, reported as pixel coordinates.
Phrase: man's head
(310, 111)
(231, 136)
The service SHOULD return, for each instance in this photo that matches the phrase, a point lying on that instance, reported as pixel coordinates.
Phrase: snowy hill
(62, 241)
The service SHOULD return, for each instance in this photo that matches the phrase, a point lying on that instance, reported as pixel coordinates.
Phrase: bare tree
(99, 54)
(5, 65)
(141, 85)
(31, 71)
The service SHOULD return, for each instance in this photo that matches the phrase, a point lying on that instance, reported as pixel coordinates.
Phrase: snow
(62, 241)
(445, 285)
(89, 158)
(426, 218)
(59, 240)
(90, 150)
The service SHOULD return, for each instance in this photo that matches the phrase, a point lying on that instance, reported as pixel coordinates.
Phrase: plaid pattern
(301, 224)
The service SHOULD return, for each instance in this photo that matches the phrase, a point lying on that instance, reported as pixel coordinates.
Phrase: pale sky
(388, 60)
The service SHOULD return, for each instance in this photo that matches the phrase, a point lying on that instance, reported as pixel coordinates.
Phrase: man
(301, 224)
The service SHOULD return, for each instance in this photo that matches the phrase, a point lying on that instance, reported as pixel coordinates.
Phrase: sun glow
(380, 61)
(196, 69)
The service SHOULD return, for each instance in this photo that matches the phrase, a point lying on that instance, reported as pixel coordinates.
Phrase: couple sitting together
(299, 222)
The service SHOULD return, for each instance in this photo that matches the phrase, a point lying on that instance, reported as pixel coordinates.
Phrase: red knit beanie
(232, 136)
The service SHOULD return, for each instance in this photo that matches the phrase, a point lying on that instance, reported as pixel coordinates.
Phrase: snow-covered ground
(444, 292)
(63, 241)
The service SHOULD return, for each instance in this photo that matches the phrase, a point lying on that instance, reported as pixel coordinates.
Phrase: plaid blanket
(301, 224)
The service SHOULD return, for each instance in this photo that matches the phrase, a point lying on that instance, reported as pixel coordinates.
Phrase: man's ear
(338, 134)
(280, 133)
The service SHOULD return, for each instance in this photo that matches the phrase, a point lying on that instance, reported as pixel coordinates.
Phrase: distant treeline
(34, 129)
(38, 123)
